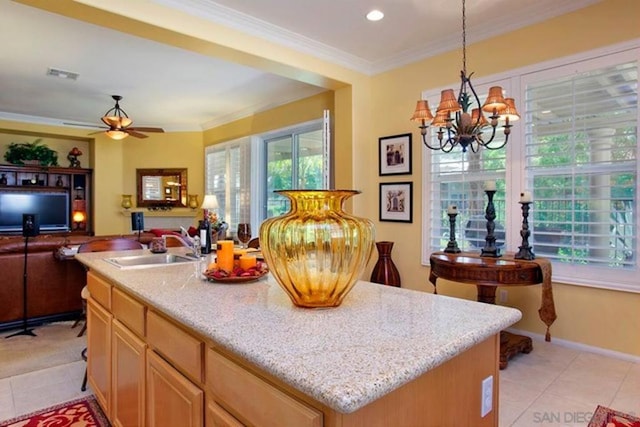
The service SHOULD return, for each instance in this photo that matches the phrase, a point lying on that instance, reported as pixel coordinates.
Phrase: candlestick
(489, 186)
(525, 250)
(490, 249)
(525, 197)
(452, 245)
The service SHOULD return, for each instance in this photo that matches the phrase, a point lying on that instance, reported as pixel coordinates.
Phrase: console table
(487, 274)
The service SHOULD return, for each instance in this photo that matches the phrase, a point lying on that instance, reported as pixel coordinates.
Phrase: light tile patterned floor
(551, 386)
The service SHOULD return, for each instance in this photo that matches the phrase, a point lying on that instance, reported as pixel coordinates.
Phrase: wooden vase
(385, 270)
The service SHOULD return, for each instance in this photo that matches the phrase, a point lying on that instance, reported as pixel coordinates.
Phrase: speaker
(30, 224)
(137, 221)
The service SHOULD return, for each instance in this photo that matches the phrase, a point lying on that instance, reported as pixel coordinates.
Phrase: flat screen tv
(52, 208)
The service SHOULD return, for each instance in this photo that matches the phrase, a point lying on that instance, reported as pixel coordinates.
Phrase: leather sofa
(53, 283)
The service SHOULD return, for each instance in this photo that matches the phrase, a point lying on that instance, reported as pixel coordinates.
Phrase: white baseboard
(579, 346)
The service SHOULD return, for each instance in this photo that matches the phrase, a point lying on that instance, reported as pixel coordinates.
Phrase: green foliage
(18, 152)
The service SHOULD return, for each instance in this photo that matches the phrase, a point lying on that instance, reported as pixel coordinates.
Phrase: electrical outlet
(487, 396)
(503, 295)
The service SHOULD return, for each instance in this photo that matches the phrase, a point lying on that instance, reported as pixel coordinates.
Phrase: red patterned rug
(605, 417)
(83, 412)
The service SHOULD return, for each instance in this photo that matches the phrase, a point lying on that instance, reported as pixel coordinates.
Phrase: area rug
(606, 417)
(84, 412)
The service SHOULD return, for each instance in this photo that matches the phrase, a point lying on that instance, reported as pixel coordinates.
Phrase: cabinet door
(216, 416)
(172, 400)
(128, 397)
(99, 353)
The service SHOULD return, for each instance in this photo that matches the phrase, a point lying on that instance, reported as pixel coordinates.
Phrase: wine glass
(244, 233)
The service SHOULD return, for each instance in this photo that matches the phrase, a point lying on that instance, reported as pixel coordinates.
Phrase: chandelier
(459, 126)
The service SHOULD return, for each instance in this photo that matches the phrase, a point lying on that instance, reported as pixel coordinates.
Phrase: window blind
(581, 162)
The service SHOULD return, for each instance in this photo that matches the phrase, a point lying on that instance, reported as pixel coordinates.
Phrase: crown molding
(528, 14)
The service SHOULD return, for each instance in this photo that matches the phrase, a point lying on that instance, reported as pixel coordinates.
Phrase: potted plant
(22, 153)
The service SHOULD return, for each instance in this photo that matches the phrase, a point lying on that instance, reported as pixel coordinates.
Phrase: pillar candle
(247, 262)
(490, 186)
(452, 210)
(525, 197)
(225, 255)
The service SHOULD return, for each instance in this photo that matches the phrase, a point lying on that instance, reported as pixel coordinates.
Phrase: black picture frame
(394, 155)
(396, 202)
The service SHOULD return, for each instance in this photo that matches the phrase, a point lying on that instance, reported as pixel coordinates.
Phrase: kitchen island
(167, 347)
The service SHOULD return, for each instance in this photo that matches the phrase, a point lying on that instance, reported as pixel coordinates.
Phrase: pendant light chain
(464, 38)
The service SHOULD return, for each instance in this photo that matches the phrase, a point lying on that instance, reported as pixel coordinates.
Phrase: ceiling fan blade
(135, 134)
(95, 133)
(84, 125)
(143, 129)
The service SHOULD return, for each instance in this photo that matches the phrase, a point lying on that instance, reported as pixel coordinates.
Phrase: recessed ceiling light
(375, 15)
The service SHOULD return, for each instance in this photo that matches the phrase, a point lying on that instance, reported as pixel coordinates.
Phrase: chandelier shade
(460, 119)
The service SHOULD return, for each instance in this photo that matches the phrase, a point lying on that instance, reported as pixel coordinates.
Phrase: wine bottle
(204, 229)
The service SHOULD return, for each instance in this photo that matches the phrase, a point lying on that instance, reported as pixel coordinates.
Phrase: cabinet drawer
(253, 400)
(99, 289)
(216, 416)
(128, 311)
(176, 345)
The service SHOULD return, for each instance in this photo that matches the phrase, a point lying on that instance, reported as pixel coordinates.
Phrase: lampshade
(422, 113)
(116, 121)
(510, 113)
(474, 118)
(210, 202)
(440, 120)
(448, 102)
(495, 100)
(79, 216)
(116, 134)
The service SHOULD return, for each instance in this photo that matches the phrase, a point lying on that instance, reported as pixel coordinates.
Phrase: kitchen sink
(152, 260)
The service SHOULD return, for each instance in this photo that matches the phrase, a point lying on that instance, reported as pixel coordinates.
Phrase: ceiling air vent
(54, 72)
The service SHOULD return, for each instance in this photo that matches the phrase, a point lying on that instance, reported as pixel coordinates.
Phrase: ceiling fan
(119, 124)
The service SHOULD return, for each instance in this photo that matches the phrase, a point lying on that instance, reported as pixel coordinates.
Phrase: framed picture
(394, 155)
(396, 201)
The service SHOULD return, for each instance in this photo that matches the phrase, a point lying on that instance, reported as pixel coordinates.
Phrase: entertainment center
(60, 196)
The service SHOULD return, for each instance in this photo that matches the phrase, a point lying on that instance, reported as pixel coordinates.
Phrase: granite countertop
(380, 338)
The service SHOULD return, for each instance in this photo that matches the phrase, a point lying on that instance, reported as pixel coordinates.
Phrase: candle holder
(452, 246)
(525, 250)
(490, 249)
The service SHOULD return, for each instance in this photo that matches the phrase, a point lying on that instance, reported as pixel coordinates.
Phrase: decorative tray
(236, 276)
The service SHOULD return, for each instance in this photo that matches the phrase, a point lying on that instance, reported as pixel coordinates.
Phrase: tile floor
(551, 386)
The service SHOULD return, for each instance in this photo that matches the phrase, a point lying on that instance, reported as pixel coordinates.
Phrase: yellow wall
(601, 318)
(366, 108)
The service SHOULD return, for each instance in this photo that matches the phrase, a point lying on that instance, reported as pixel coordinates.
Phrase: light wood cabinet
(166, 384)
(172, 400)
(216, 416)
(99, 353)
(128, 354)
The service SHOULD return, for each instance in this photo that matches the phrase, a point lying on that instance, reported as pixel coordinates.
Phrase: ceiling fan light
(116, 121)
(116, 134)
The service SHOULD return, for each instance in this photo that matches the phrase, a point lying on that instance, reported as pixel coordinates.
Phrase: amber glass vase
(316, 251)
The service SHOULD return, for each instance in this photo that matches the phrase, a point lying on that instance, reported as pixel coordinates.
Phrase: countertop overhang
(379, 339)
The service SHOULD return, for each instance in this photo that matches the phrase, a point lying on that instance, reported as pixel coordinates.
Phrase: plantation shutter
(581, 162)
(228, 176)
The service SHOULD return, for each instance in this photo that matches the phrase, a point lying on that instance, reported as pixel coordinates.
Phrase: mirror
(162, 188)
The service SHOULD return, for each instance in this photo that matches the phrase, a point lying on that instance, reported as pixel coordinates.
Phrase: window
(293, 160)
(228, 176)
(576, 149)
(457, 179)
(244, 173)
